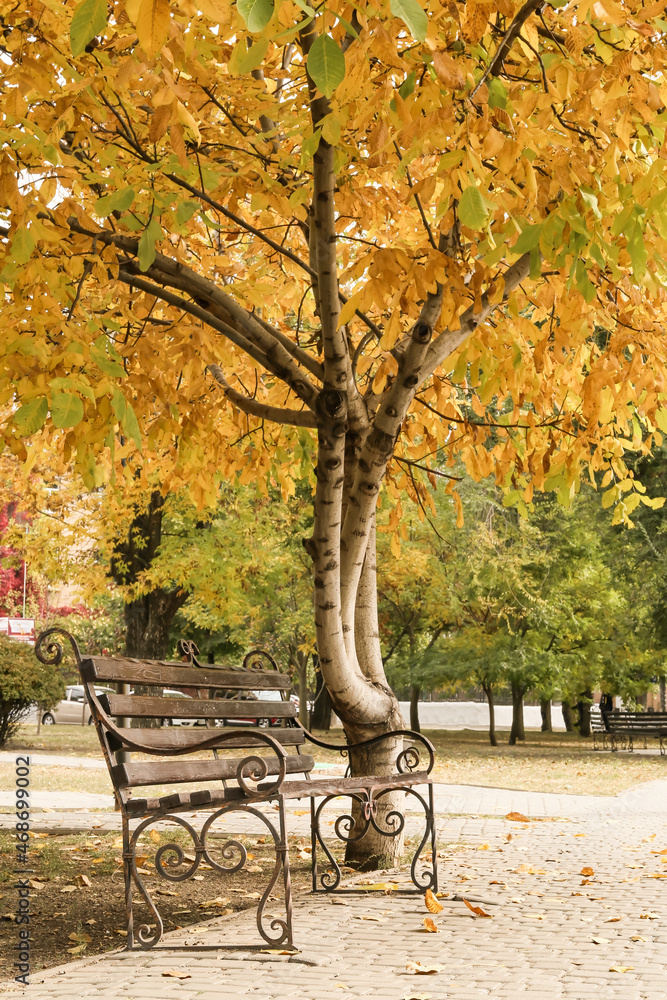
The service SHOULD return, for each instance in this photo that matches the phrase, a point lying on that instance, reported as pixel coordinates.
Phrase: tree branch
(276, 414)
(495, 66)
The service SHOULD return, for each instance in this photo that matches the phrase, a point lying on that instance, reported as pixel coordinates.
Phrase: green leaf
(90, 19)
(529, 239)
(408, 85)
(309, 145)
(130, 425)
(119, 404)
(23, 245)
(411, 14)
(119, 201)
(107, 364)
(245, 58)
(326, 65)
(185, 211)
(346, 24)
(150, 235)
(66, 409)
(255, 13)
(30, 417)
(473, 208)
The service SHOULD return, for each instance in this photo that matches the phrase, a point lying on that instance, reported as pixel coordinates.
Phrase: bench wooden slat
(184, 800)
(176, 771)
(153, 672)
(343, 786)
(146, 706)
(165, 739)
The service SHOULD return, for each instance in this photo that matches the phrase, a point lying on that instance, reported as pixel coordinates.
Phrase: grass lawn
(549, 762)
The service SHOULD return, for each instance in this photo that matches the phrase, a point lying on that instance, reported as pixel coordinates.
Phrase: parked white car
(73, 710)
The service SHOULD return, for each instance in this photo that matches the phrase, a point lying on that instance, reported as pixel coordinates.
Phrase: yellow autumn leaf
(152, 25)
(431, 903)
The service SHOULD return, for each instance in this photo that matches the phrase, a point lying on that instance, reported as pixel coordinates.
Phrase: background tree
(24, 683)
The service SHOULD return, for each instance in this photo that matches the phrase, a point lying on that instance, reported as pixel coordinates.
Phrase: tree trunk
(320, 716)
(517, 731)
(302, 674)
(148, 617)
(585, 714)
(374, 850)
(488, 691)
(545, 711)
(566, 709)
(662, 694)
(415, 692)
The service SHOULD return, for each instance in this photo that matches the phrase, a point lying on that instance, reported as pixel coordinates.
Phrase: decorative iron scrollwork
(169, 860)
(257, 659)
(51, 653)
(349, 829)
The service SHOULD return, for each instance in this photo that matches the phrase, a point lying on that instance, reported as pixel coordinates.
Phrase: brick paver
(554, 933)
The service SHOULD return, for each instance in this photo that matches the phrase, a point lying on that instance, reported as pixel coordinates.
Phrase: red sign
(22, 629)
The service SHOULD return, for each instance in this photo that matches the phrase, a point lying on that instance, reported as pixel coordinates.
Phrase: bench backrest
(218, 709)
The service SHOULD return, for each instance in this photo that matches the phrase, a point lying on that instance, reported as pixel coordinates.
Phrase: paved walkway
(576, 898)
(554, 934)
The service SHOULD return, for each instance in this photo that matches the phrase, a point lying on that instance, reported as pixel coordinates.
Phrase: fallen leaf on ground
(637, 937)
(91, 921)
(613, 920)
(165, 892)
(587, 871)
(430, 926)
(517, 817)
(477, 910)
(341, 986)
(649, 916)
(422, 970)
(579, 834)
(369, 916)
(378, 887)
(83, 879)
(432, 904)
(276, 951)
(663, 851)
(122, 933)
(621, 968)
(68, 888)
(86, 938)
(254, 869)
(600, 940)
(77, 951)
(177, 974)
(155, 836)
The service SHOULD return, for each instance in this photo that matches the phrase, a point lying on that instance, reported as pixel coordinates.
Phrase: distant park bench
(234, 783)
(619, 729)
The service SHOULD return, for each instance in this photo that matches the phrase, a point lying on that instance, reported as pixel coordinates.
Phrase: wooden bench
(622, 728)
(231, 784)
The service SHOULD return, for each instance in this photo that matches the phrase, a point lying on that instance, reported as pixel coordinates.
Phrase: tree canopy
(240, 239)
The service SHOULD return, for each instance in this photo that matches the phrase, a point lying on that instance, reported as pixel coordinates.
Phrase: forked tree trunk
(488, 691)
(517, 731)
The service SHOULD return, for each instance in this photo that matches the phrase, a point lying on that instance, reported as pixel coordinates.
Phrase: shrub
(24, 681)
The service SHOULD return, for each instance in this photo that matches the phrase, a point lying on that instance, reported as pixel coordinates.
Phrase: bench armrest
(408, 759)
